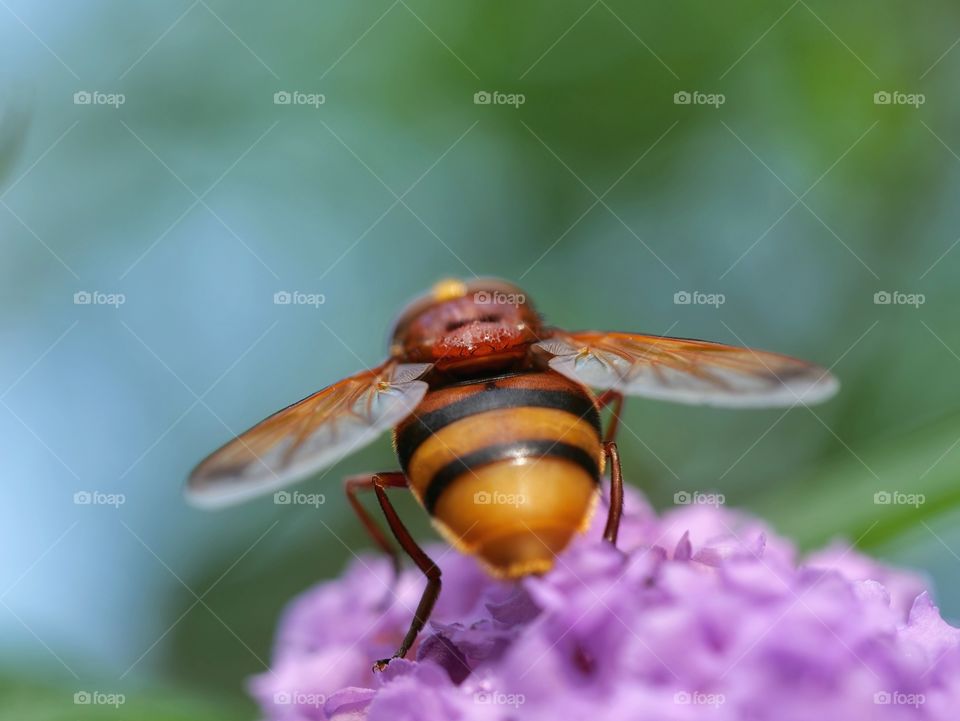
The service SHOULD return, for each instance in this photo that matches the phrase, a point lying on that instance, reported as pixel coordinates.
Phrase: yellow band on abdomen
(472, 435)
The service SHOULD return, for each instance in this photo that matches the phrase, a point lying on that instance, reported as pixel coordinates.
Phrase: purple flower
(702, 613)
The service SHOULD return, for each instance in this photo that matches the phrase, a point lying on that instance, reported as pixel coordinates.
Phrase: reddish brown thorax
(461, 326)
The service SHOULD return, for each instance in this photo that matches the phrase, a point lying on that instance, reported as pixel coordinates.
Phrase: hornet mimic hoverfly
(485, 402)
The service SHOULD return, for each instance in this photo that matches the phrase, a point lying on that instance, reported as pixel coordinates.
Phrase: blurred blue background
(795, 158)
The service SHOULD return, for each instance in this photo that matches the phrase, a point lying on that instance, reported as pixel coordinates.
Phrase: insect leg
(366, 483)
(423, 561)
(616, 493)
(614, 398)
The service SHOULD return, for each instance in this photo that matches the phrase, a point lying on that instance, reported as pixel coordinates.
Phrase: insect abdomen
(508, 468)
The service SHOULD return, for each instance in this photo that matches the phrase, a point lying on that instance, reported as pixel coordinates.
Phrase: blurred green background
(198, 197)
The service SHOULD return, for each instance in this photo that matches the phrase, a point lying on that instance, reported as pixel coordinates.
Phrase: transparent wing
(686, 371)
(309, 435)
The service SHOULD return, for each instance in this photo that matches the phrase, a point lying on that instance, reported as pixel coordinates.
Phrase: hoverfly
(495, 425)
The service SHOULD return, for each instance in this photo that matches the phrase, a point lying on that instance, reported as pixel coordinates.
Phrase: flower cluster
(702, 613)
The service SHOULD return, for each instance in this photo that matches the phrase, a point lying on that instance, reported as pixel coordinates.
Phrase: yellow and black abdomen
(507, 467)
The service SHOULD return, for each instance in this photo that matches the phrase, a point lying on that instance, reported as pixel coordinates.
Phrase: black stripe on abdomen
(505, 452)
(421, 428)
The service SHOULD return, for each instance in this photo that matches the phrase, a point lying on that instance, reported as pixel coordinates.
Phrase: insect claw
(382, 664)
